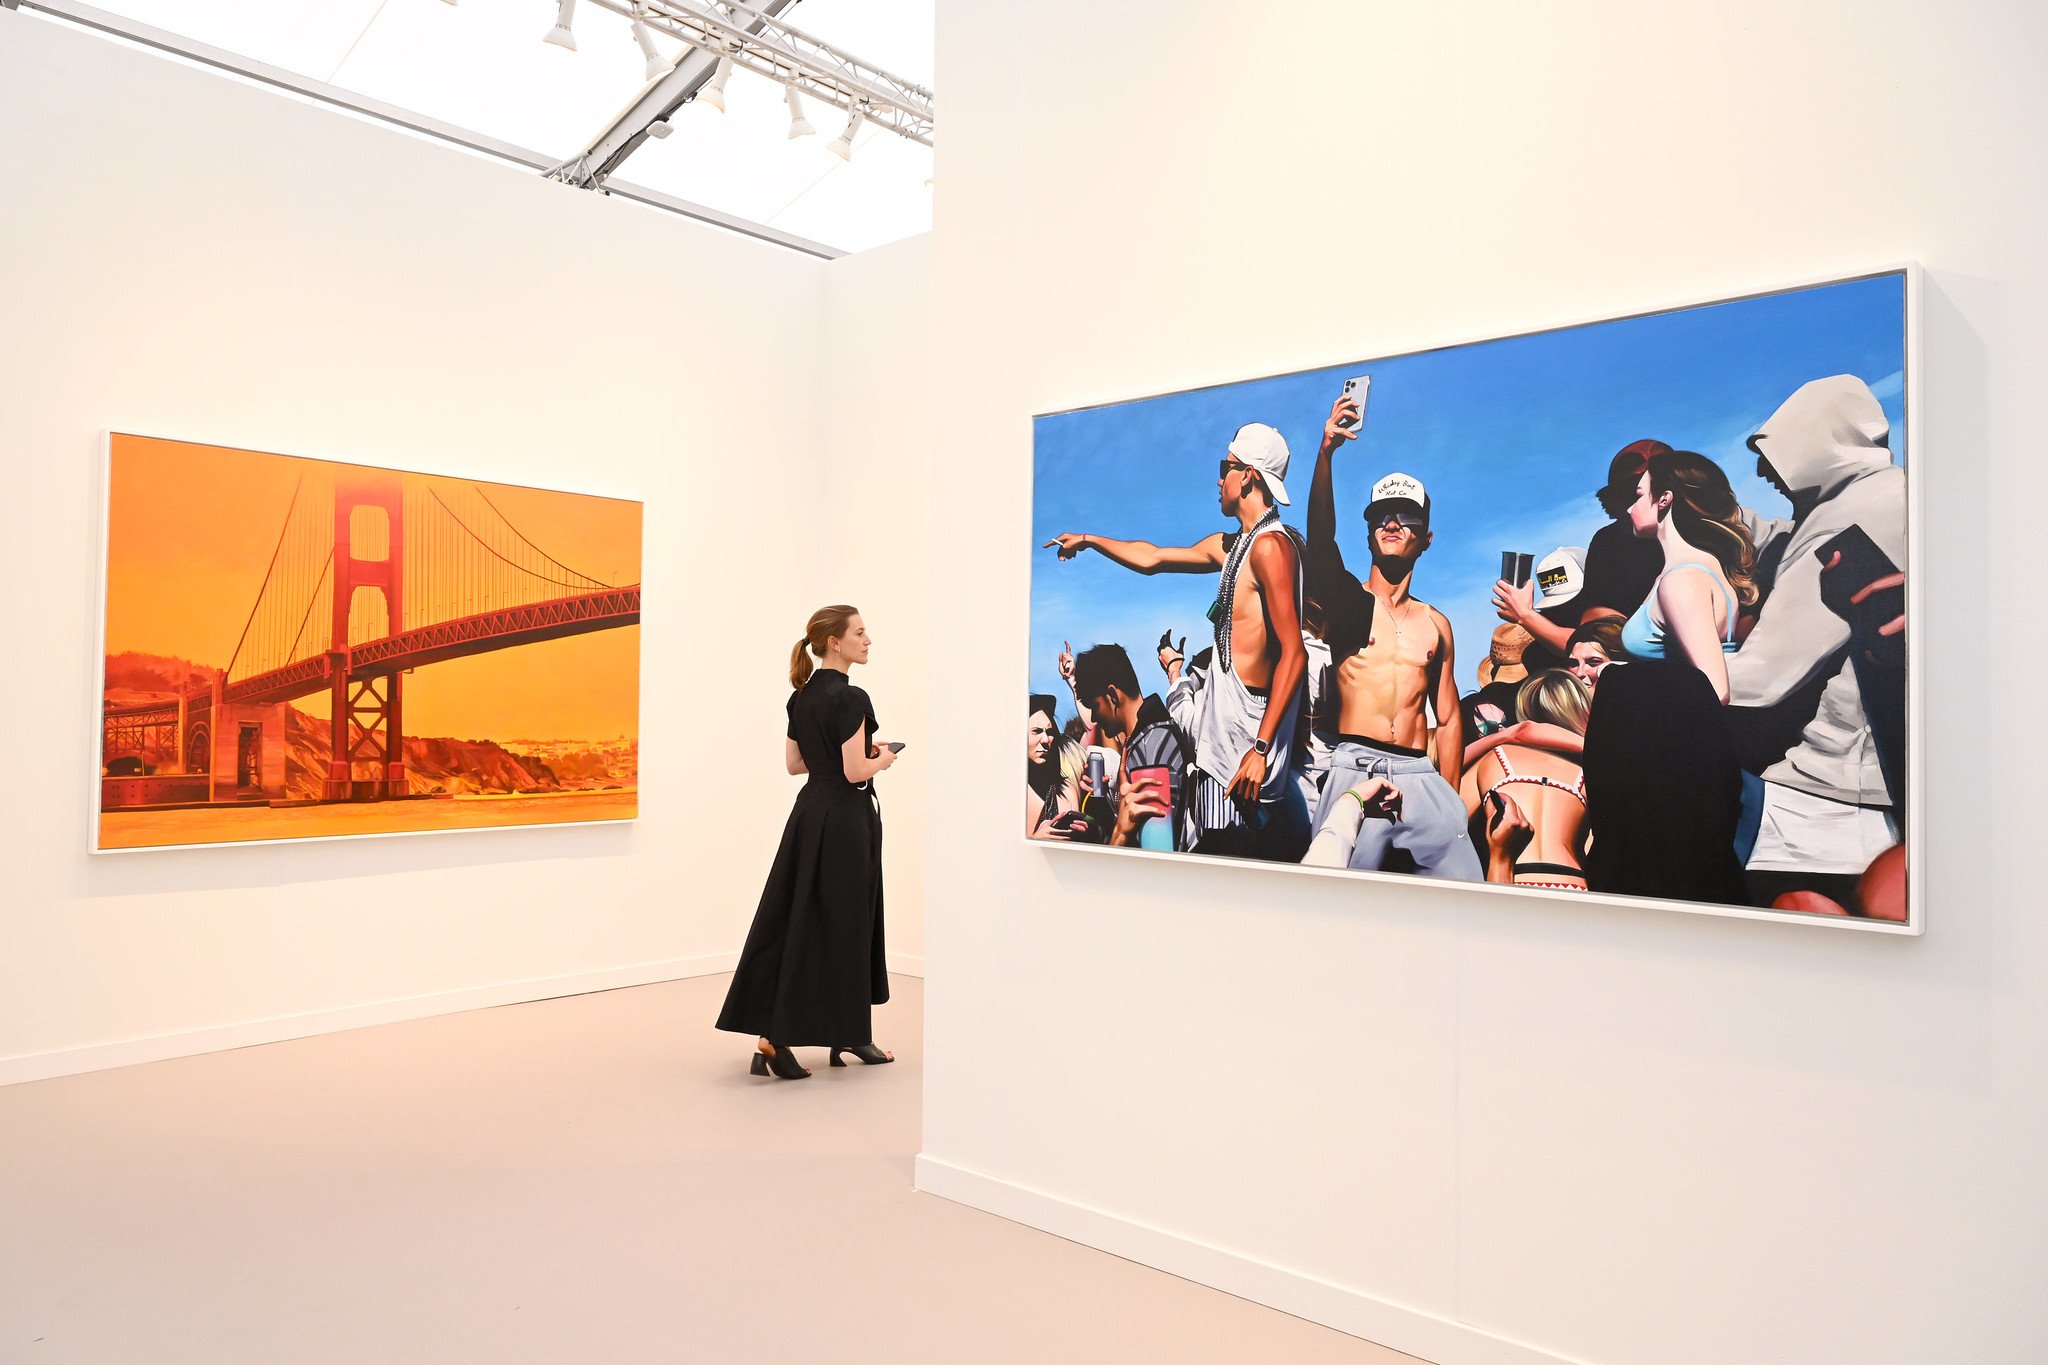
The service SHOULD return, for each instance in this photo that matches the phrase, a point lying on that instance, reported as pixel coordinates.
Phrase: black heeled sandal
(780, 1064)
(867, 1052)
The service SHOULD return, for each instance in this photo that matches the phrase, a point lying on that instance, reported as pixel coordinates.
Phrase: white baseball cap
(1261, 448)
(1399, 488)
(1560, 574)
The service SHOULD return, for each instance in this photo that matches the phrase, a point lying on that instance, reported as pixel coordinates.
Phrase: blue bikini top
(1643, 638)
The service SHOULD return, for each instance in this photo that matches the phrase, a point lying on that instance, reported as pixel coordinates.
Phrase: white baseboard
(101, 1056)
(903, 964)
(1388, 1324)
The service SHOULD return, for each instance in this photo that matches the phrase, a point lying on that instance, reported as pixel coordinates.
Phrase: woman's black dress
(813, 965)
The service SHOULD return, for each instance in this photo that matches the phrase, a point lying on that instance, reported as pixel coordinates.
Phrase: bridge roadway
(502, 628)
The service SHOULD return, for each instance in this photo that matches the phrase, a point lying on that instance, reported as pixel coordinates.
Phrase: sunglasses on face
(1225, 468)
(1407, 521)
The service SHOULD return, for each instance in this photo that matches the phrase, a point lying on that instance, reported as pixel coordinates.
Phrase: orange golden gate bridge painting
(300, 648)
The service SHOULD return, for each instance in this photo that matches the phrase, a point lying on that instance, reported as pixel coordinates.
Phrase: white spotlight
(799, 126)
(843, 148)
(713, 92)
(644, 36)
(660, 130)
(560, 35)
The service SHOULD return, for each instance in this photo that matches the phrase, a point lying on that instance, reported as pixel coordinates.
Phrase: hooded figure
(1826, 448)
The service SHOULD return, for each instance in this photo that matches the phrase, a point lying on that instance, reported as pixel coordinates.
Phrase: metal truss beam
(204, 54)
(594, 164)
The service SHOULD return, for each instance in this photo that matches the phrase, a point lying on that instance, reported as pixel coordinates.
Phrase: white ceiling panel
(480, 65)
(305, 39)
(483, 66)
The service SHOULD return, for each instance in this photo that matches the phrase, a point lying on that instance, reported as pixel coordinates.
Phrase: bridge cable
(228, 672)
(494, 551)
(478, 490)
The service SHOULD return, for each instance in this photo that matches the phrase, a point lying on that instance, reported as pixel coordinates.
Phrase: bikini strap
(1726, 592)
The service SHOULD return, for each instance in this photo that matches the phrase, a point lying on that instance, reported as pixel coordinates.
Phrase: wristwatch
(1261, 748)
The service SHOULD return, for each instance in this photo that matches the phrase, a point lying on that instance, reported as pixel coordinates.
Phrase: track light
(644, 36)
(799, 126)
(843, 148)
(660, 129)
(713, 92)
(560, 35)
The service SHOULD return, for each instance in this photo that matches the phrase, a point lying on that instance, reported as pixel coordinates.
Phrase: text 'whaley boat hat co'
(1397, 488)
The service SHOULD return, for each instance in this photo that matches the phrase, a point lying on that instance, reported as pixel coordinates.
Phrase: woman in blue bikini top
(1684, 503)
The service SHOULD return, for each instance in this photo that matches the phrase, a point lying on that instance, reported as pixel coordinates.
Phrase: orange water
(229, 824)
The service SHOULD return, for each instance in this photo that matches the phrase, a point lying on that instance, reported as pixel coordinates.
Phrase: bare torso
(1557, 817)
(1383, 689)
(1252, 655)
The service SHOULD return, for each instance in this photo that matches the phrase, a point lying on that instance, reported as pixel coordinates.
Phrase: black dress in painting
(813, 965)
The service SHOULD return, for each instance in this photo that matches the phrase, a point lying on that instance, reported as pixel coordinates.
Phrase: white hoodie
(1827, 443)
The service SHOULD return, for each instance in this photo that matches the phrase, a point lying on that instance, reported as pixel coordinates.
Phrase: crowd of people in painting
(1701, 703)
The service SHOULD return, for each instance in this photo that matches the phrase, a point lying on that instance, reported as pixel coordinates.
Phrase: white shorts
(1802, 832)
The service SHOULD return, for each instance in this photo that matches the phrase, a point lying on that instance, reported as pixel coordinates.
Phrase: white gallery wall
(191, 257)
(1485, 1128)
(875, 501)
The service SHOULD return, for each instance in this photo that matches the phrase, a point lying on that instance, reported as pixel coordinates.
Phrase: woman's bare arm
(1687, 601)
(1532, 734)
(859, 761)
(793, 757)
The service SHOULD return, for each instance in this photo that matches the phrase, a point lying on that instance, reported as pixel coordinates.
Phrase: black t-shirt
(1620, 571)
(825, 713)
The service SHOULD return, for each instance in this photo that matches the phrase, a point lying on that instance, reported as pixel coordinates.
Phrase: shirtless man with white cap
(1243, 799)
(1393, 657)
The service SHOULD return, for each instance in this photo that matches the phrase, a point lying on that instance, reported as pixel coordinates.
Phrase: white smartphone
(1355, 389)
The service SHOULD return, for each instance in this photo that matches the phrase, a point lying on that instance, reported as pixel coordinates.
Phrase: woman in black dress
(813, 966)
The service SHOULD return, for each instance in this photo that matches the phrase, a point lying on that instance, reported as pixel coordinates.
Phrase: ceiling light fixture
(660, 130)
(644, 36)
(560, 35)
(799, 126)
(843, 148)
(713, 92)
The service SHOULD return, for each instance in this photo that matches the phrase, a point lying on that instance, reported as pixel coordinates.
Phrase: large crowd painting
(1615, 609)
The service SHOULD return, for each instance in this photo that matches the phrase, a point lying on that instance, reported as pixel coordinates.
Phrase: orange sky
(191, 529)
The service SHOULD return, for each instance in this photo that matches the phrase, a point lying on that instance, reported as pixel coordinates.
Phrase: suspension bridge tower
(366, 716)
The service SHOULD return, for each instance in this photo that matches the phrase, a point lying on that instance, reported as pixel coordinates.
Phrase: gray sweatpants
(1431, 830)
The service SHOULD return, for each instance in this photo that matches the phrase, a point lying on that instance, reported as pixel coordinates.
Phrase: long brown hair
(1708, 516)
(826, 623)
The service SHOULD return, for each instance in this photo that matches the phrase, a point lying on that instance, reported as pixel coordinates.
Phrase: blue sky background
(1510, 437)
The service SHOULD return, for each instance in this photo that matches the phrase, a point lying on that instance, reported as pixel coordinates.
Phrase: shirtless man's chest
(1382, 689)
(1251, 646)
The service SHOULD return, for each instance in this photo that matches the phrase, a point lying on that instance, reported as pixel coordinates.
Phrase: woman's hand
(883, 757)
(1508, 832)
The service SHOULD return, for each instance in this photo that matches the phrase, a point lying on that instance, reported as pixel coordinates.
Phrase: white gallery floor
(588, 1179)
